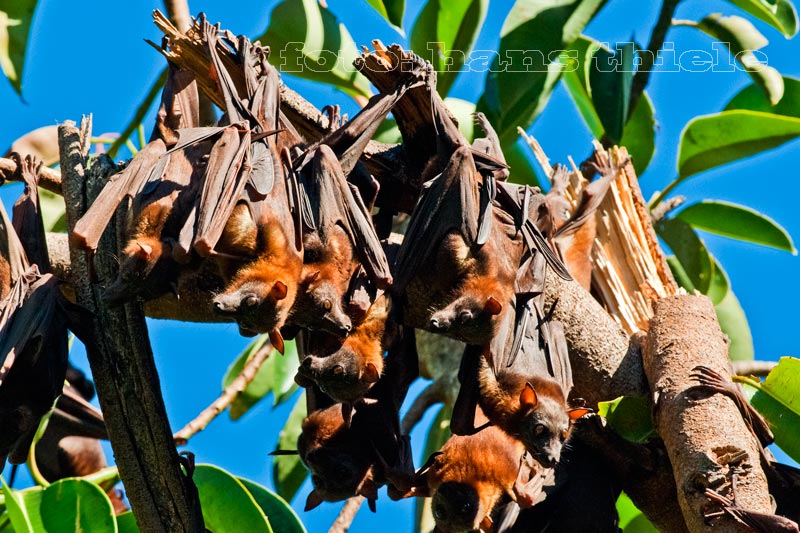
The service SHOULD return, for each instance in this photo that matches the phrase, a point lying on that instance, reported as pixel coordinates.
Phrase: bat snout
(439, 323)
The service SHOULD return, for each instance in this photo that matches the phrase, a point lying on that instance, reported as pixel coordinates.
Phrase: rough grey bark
(706, 439)
(162, 497)
(605, 362)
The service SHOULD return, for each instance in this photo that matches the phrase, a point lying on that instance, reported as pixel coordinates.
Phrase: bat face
(259, 304)
(470, 318)
(143, 259)
(319, 307)
(337, 460)
(343, 375)
(457, 507)
(543, 427)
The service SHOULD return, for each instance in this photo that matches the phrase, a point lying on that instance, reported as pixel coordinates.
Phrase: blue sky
(89, 57)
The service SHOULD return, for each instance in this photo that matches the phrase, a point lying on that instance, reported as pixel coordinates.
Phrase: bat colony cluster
(290, 226)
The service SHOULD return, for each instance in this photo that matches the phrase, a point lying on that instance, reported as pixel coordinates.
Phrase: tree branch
(707, 440)
(237, 386)
(753, 368)
(49, 179)
(119, 352)
(346, 515)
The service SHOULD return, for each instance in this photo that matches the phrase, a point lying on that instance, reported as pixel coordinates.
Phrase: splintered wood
(629, 270)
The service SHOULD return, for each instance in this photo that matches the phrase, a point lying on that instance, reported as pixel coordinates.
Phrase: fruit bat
(521, 382)
(358, 457)
(471, 475)
(34, 317)
(346, 369)
(582, 498)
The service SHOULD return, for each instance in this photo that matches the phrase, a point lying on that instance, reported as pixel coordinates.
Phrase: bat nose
(435, 324)
(224, 306)
(306, 363)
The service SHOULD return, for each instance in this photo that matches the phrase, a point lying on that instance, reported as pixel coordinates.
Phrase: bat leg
(712, 382)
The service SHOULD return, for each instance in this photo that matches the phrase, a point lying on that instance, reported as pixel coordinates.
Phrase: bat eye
(338, 370)
(464, 316)
(539, 430)
(326, 305)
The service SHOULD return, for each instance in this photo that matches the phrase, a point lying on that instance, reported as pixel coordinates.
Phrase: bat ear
(367, 488)
(313, 501)
(578, 412)
(279, 290)
(143, 251)
(487, 525)
(313, 277)
(370, 373)
(528, 396)
(492, 306)
(276, 339)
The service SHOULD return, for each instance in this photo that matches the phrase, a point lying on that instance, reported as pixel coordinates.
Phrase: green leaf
(15, 23)
(391, 10)
(689, 250)
(778, 399)
(737, 222)
(444, 34)
(281, 516)
(74, 504)
(537, 32)
(276, 375)
(227, 505)
(126, 523)
(734, 324)
(463, 111)
(54, 213)
(308, 41)
(629, 416)
(753, 98)
(388, 132)
(576, 80)
(16, 509)
(631, 519)
(438, 434)
(610, 80)
(713, 140)
(741, 38)
(640, 129)
(780, 14)
(288, 472)
(639, 136)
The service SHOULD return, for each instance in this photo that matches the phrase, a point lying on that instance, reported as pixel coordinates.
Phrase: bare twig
(661, 210)
(245, 377)
(753, 368)
(346, 515)
(49, 179)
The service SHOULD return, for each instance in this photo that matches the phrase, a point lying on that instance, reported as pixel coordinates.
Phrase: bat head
(343, 375)
(544, 421)
(336, 457)
(138, 262)
(459, 507)
(470, 318)
(259, 297)
(319, 306)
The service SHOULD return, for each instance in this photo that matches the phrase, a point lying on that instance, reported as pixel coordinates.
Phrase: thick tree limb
(119, 352)
(49, 179)
(605, 363)
(707, 440)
